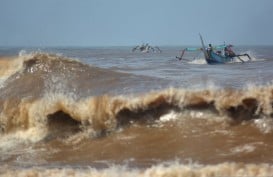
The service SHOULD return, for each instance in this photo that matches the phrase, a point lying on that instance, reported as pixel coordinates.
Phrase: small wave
(247, 148)
(25, 60)
(199, 61)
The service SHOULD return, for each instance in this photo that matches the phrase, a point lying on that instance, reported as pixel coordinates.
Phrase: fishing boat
(146, 48)
(220, 54)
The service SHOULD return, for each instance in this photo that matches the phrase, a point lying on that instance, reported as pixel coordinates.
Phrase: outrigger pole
(238, 56)
(180, 58)
(243, 55)
(204, 48)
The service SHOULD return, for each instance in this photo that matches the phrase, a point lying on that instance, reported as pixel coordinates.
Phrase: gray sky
(132, 22)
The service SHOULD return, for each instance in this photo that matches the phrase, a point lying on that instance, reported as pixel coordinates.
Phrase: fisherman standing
(209, 50)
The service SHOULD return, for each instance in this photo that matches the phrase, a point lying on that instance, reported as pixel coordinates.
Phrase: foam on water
(162, 170)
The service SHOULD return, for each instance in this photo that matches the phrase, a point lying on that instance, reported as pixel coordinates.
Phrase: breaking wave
(32, 96)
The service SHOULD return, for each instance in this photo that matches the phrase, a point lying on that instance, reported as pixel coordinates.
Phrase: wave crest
(106, 113)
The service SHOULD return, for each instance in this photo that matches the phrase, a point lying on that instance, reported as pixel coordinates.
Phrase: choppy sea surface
(108, 111)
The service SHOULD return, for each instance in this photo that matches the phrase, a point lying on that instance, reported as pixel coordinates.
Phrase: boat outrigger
(220, 54)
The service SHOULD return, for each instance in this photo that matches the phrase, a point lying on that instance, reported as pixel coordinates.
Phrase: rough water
(111, 112)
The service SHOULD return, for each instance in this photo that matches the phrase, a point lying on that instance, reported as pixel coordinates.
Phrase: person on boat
(229, 52)
(210, 47)
(209, 50)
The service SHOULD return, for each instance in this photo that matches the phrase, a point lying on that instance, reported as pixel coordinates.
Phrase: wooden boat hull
(218, 59)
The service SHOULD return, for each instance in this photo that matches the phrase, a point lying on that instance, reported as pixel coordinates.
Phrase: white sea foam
(174, 169)
(199, 61)
(265, 125)
(31, 135)
(168, 117)
(247, 148)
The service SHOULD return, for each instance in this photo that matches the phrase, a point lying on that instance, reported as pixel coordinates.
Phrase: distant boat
(146, 48)
(220, 54)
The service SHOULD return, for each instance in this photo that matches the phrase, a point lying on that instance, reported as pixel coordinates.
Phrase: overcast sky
(132, 22)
